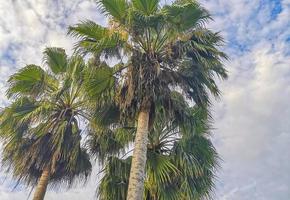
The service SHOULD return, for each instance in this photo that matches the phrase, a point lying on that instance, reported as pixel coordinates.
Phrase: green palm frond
(114, 8)
(160, 169)
(104, 143)
(99, 81)
(76, 68)
(107, 137)
(14, 120)
(56, 59)
(115, 180)
(26, 167)
(185, 15)
(88, 29)
(199, 161)
(95, 38)
(106, 115)
(147, 7)
(31, 80)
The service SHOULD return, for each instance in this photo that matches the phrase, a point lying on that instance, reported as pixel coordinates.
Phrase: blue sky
(252, 119)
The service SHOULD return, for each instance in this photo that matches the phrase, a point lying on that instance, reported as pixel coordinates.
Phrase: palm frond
(31, 80)
(185, 15)
(147, 7)
(99, 81)
(117, 9)
(114, 183)
(95, 38)
(56, 59)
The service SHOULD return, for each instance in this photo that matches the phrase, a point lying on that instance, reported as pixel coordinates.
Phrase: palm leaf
(114, 8)
(113, 184)
(30, 80)
(185, 15)
(95, 38)
(99, 80)
(56, 59)
(147, 7)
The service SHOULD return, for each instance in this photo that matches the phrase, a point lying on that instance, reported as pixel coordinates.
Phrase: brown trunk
(42, 184)
(137, 173)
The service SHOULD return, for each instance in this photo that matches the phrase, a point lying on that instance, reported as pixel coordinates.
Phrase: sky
(252, 119)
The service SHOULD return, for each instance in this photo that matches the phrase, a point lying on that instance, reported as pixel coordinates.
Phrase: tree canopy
(41, 126)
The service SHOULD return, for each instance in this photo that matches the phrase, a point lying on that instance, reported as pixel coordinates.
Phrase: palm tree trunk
(137, 173)
(42, 184)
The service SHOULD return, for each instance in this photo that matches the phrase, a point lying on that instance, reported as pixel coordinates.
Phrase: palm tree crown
(167, 48)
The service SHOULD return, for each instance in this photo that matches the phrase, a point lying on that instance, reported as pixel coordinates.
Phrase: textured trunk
(137, 173)
(42, 184)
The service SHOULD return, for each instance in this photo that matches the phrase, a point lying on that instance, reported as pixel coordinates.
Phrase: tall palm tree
(40, 128)
(158, 50)
(181, 164)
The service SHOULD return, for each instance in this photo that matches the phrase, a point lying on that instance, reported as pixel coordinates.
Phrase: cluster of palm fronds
(40, 128)
(167, 62)
(181, 164)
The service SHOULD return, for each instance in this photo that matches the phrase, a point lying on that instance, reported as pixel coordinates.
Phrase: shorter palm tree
(40, 128)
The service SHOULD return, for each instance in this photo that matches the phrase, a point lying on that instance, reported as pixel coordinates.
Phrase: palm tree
(158, 50)
(40, 129)
(180, 164)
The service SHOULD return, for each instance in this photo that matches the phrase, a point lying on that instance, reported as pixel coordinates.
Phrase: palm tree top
(43, 120)
(160, 48)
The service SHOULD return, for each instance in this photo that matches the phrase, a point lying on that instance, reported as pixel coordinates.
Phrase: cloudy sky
(252, 120)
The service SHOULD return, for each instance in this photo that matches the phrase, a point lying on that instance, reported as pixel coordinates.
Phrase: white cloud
(252, 120)
(254, 130)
